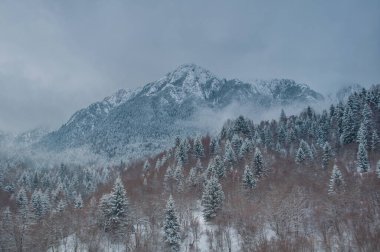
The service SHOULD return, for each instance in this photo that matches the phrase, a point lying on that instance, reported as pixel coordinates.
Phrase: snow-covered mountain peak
(186, 80)
(119, 97)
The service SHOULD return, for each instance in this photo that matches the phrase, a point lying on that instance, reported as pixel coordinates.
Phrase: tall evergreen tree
(171, 226)
(362, 162)
(326, 156)
(336, 180)
(258, 164)
(362, 135)
(146, 166)
(212, 198)
(78, 201)
(116, 210)
(375, 141)
(348, 126)
(229, 154)
(198, 148)
(245, 148)
(249, 180)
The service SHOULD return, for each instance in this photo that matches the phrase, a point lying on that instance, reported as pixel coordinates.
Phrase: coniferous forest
(306, 182)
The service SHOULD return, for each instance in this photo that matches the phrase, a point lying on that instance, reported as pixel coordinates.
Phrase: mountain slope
(132, 123)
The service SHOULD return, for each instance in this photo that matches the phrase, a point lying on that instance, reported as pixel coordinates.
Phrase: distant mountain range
(134, 123)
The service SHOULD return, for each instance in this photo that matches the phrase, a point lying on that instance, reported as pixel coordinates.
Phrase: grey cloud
(59, 56)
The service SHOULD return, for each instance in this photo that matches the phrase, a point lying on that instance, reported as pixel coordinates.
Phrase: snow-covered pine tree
(236, 143)
(179, 177)
(348, 126)
(172, 236)
(245, 148)
(362, 162)
(220, 169)
(249, 180)
(336, 180)
(367, 119)
(214, 146)
(326, 156)
(22, 205)
(198, 148)
(192, 179)
(212, 198)
(258, 164)
(378, 169)
(362, 135)
(229, 154)
(375, 141)
(115, 209)
(78, 202)
(61, 206)
(146, 166)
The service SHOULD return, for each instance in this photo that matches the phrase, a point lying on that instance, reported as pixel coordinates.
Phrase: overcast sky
(59, 56)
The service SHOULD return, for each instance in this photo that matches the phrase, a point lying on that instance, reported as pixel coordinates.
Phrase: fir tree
(23, 206)
(214, 146)
(146, 167)
(249, 180)
(179, 177)
(78, 202)
(326, 156)
(300, 156)
(245, 148)
(61, 206)
(258, 164)
(171, 226)
(236, 143)
(115, 208)
(362, 162)
(348, 126)
(192, 180)
(198, 148)
(362, 135)
(229, 154)
(336, 180)
(212, 198)
(378, 169)
(374, 141)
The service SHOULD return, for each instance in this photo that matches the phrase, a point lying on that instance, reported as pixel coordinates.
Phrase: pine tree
(326, 156)
(171, 226)
(375, 141)
(378, 169)
(192, 180)
(258, 164)
(300, 156)
(61, 206)
(249, 180)
(146, 167)
(212, 198)
(348, 126)
(245, 148)
(78, 202)
(23, 207)
(362, 162)
(214, 146)
(229, 154)
(336, 180)
(362, 135)
(220, 169)
(179, 177)
(236, 142)
(115, 209)
(198, 148)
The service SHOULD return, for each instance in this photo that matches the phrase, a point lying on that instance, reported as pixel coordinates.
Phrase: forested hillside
(300, 183)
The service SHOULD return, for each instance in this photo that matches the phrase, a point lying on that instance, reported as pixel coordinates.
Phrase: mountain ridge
(146, 118)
